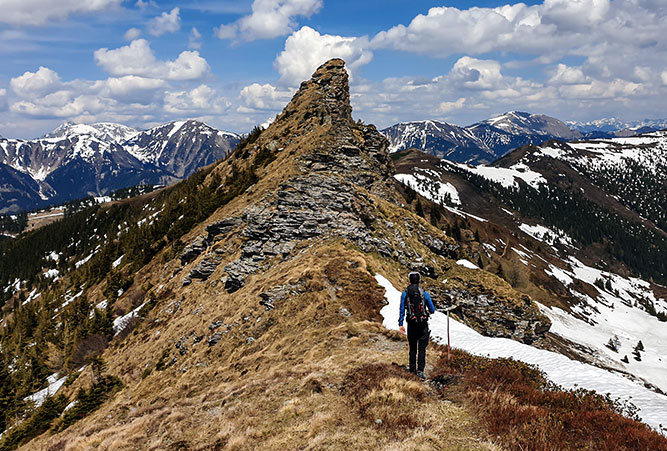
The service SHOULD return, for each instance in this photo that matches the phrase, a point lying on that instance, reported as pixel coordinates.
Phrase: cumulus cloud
(165, 23)
(566, 75)
(476, 74)
(447, 107)
(564, 26)
(40, 12)
(39, 83)
(269, 19)
(132, 34)
(226, 31)
(306, 49)
(137, 58)
(265, 96)
(42, 95)
(201, 98)
(663, 76)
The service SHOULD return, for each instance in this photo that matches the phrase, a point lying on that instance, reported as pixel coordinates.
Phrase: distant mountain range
(76, 160)
(488, 140)
(613, 127)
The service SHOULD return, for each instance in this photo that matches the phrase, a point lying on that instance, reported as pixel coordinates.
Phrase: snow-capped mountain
(482, 142)
(613, 127)
(181, 147)
(103, 131)
(520, 123)
(305, 232)
(584, 225)
(441, 139)
(78, 160)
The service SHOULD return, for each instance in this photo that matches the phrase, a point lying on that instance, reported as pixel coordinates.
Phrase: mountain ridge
(242, 309)
(76, 161)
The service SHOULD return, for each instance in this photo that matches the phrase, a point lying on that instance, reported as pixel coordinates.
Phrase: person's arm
(401, 314)
(429, 302)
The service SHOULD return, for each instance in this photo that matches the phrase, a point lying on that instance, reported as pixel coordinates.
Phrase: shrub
(518, 404)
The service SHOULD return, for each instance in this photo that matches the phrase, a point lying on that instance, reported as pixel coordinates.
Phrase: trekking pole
(449, 309)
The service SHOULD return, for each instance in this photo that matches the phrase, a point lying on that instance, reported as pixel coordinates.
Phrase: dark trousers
(418, 335)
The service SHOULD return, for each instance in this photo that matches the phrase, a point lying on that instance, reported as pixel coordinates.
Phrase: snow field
(614, 314)
(568, 373)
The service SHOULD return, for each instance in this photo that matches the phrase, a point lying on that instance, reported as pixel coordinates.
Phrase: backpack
(416, 305)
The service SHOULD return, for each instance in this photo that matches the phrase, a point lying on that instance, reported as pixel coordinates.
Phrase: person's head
(414, 277)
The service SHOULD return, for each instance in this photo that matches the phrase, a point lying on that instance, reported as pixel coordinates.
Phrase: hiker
(418, 305)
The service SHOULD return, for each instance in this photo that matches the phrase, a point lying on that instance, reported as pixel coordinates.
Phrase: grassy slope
(303, 375)
(288, 389)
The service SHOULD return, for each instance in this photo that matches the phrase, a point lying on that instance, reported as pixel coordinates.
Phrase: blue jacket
(427, 298)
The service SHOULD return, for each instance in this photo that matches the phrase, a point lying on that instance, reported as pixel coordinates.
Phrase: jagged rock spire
(325, 97)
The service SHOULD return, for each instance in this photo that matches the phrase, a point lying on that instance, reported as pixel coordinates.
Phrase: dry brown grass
(289, 389)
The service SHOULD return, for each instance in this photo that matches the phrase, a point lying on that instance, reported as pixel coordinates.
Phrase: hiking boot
(420, 374)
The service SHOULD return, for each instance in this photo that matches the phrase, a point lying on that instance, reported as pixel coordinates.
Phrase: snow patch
(53, 387)
(120, 323)
(467, 264)
(570, 374)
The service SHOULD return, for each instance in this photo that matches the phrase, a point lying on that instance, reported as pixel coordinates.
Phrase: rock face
(192, 250)
(493, 315)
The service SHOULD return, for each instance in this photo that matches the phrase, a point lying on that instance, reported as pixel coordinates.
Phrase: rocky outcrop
(333, 196)
(493, 316)
(219, 229)
(192, 250)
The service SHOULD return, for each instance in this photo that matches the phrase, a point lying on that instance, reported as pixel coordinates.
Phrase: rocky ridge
(337, 192)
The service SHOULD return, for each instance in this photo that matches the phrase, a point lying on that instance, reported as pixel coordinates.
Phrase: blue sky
(234, 64)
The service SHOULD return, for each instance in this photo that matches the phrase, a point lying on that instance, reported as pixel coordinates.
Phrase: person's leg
(413, 337)
(423, 343)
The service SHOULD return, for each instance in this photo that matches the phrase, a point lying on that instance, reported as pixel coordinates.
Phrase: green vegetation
(87, 401)
(637, 187)
(87, 244)
(640, 248)
(35, 425)
(13, 223)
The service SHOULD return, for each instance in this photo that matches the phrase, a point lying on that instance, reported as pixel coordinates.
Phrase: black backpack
(416, 305)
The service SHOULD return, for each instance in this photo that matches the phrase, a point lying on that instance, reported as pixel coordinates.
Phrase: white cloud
(194, 41)
(40, 12)
(141, 4)
(447, 107)
(130, 88)
(201, 98)
(597, 89)
(576, 27)
(663, 76)
(3, 100)
(575, 15)
(566, 75)
(165, 23)
(137, 58)
(132, 34)
(39, 83)
(476, 74)
(265, 96)
(226, 31)
(44, 95)
(269, 19)
(306, 49)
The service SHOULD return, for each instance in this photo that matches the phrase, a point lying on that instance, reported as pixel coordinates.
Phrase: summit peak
(325, 97)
